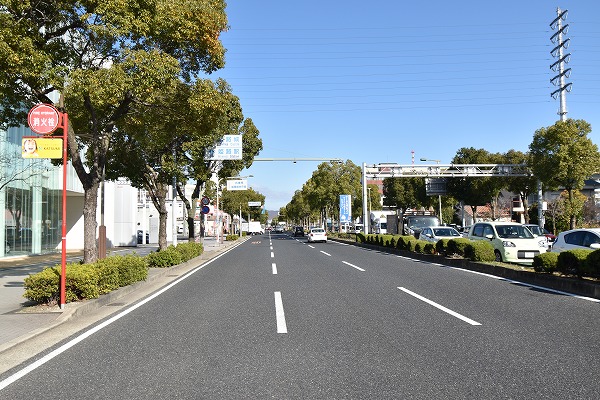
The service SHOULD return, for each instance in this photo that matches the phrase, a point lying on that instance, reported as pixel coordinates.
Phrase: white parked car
(577, 239)
(435, 233)
(317, 235)
(512, 242)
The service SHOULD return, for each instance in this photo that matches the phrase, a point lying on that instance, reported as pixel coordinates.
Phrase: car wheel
(498, 256)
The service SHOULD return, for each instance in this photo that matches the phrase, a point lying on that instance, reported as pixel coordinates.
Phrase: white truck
(253, 228)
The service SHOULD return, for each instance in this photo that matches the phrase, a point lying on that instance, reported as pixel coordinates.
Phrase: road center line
(274, 266)
(327, 254)
(353, 266)
(280, 315)
(272, 255)
(311, 246)
(438, 306)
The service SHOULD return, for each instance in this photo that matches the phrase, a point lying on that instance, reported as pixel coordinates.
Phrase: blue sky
(373, 81)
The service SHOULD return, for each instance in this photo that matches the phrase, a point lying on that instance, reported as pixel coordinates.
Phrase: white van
(512, 242)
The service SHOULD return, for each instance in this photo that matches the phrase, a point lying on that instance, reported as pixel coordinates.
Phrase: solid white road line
(274, 266)
(500, 278)
(21, 373)
(438, 306)
(353, 266)
(327, 254)
(281, 325)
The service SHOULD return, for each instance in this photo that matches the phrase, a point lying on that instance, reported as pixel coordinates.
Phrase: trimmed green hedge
(457, 246)
(592, 264)
(81, 283)
(189, 250)
(164, 259)
(479, 251)
(441, 246)
(545, 262)
(88, 281)
(572, 262)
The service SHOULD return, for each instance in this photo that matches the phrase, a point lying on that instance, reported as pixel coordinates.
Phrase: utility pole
(562, 59)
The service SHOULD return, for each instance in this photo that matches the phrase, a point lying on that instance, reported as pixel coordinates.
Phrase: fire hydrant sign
(43, 119)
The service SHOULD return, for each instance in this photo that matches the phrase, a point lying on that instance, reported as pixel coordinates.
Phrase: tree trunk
(90, 225)
(190, 212)
(526, 206)
(474, 211)
(572, 216)
(161, 192)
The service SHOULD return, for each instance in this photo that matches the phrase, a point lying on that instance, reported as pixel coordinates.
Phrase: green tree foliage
(404, 193)
(476, 191)
(562, 156)
(328, 182)
(523, 186)
(232, 200)
(106, 59)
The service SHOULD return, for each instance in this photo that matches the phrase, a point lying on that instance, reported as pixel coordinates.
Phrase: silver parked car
(435, 233)
(585, 238)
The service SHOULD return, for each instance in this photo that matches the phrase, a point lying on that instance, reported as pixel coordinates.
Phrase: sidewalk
(20, 320)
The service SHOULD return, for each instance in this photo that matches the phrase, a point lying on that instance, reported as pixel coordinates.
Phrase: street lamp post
(439, 195)
(368, 209)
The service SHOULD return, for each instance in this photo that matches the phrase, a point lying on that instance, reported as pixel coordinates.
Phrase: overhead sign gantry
(392, 170)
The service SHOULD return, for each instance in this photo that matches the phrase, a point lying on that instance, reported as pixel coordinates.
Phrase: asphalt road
(284, 319)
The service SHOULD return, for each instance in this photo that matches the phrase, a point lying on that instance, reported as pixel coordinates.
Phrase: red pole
(63, 275)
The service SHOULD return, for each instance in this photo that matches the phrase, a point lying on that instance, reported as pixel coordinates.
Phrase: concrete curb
(575, 286)
(85, 307)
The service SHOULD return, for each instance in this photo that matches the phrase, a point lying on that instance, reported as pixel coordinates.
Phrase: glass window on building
(31, 198)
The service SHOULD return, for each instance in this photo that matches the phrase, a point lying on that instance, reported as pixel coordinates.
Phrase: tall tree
(104, 58)
(475, 191)
(562, 156)
(404, 193)
(522, 185)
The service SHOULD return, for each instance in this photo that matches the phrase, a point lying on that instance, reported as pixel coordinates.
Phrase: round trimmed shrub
(441, 246)
(420, 246)
(457, 246)
(479, 250)
(429, 248)
(545, 262)
(164, 259)
(189, 250)
(592, 264)
(571, 262)
(407, 243)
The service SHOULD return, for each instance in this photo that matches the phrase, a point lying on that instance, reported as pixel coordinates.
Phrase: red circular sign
(43, 119)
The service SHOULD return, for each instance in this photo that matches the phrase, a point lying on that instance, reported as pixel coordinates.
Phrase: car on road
(585, 238)
(279, 229)
(435, 233)
(512, 242)
(317, 235)
(536, 230)
(298, 231)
